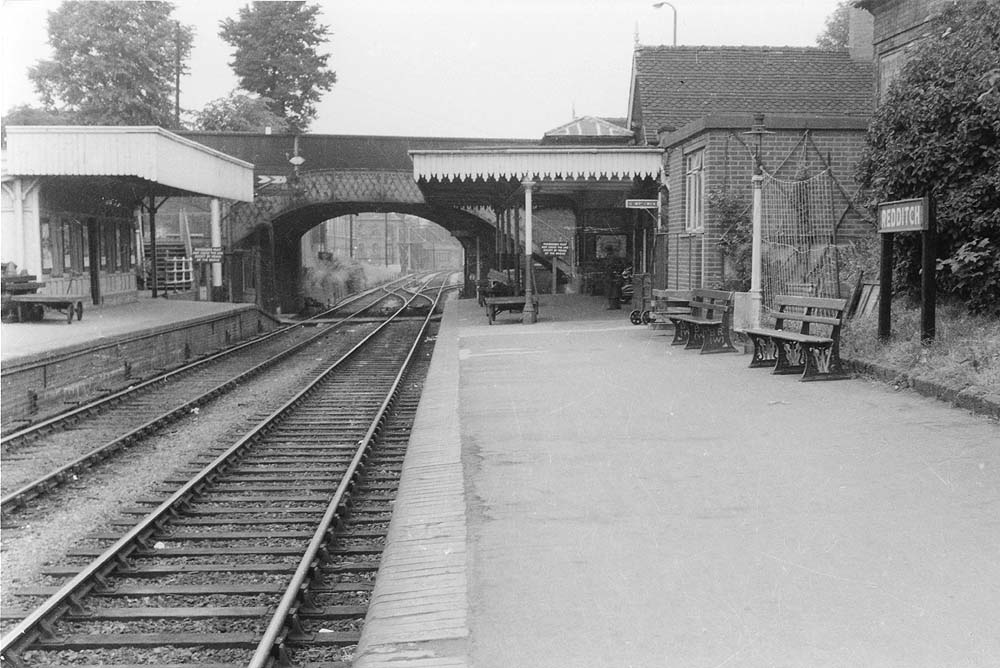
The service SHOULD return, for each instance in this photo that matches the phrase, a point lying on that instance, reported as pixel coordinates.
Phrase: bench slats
(698, 329)
(803, 317)
(791, 336)
(816, 356)
(831, 303)
(695, 320)
(713, 295)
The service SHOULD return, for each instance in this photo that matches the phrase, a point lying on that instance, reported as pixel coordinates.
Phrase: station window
(65, 244)
(46, 239)
(694, 191)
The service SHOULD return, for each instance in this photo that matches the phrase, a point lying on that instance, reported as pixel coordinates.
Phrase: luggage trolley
(642, 296)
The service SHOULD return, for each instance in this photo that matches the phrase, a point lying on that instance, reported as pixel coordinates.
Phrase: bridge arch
(272, 225)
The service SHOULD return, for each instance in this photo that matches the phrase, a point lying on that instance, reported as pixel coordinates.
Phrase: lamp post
(756, 258)
(658, 5)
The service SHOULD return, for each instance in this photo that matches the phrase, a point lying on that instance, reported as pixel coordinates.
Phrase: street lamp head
(658, 5)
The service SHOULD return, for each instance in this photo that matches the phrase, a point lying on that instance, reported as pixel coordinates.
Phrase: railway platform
(579, 493)
(48, 364)
(53, 335)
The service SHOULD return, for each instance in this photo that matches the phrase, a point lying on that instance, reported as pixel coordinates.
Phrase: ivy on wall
(938, 133)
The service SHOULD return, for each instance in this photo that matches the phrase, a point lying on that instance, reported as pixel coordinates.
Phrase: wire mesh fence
(798, 238)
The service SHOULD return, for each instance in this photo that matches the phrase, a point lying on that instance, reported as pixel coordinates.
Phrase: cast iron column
(529, 308)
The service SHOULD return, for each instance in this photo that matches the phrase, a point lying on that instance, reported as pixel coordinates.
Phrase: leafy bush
(938, 133)
(735, 243)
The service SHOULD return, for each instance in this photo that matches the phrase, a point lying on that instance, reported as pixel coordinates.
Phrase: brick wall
(45, 385)
(898, 26)
(787, 155)
(900, 21)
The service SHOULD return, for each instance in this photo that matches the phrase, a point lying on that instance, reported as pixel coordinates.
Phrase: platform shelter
(587, 180)
(74, 196)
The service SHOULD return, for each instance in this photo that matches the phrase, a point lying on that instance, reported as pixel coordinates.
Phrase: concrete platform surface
(27, 339)
(578, 493)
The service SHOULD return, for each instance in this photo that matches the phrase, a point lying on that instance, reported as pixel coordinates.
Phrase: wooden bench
(497, 305)
(805, 351)
(708, 323)
(664, 304)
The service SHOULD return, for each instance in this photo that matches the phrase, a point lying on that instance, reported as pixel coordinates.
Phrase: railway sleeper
(257, 519)
(158, 570)
(219, 536)
(320, 638)
(196, 511)
(125, 614)
(87, 641)
(161, 570)
(147, 553)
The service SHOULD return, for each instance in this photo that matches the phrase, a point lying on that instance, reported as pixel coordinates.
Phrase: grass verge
(964, 356)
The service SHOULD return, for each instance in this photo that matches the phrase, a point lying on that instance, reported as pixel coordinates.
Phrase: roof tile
(676, 85)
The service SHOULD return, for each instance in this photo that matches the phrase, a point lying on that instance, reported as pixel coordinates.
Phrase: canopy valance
(537, 163)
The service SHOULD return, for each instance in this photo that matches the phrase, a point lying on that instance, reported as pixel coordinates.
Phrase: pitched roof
(588, 129)
(676, 85)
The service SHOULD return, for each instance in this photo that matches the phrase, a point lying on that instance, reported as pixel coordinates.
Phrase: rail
(35, 625)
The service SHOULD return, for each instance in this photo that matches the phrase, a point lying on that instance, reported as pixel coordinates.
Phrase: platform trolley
(642, 297)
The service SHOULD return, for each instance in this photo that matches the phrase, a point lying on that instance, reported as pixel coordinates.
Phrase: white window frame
(694, 191)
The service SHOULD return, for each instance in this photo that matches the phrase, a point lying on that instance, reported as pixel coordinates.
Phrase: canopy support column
(216, 239)
(530, 316)
(517, 248)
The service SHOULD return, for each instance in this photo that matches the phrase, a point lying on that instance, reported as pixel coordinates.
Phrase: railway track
(266, 553)
(64, 447)
(22, 430)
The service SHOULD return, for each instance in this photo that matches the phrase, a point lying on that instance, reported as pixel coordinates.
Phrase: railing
(178, 273)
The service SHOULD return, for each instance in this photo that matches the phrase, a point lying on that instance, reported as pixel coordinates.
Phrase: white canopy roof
(518, 163)
(145, 152)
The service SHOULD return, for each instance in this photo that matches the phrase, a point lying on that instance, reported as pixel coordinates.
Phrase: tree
(239, 112)
(276, 57)
(835, 34)
(938, 133)
(25, 114)
(115, 63)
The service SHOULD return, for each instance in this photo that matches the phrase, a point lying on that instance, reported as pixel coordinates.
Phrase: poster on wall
(46, 246)
(610, 245)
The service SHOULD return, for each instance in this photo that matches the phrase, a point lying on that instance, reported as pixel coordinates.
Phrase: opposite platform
(48, 364)
(580, 493)
(29, 339)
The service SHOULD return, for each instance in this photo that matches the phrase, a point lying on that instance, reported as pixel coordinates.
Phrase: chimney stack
(860, 34)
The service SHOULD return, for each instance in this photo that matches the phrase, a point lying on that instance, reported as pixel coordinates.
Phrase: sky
(456, 68)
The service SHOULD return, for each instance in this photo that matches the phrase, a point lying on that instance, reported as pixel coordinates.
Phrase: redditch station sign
(908, 215)
(905, 215)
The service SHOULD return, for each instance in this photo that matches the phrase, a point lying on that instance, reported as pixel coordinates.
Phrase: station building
(74, 198)
(82, 201)
(718, 112)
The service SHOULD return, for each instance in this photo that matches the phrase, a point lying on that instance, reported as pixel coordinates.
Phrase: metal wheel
(79, 310)
(646, 318)
(635, 318)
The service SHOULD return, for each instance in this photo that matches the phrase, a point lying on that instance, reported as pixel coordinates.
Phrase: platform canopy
(473, 176)
(157, 161)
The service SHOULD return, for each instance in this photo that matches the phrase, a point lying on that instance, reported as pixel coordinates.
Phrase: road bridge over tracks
(303, 180)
